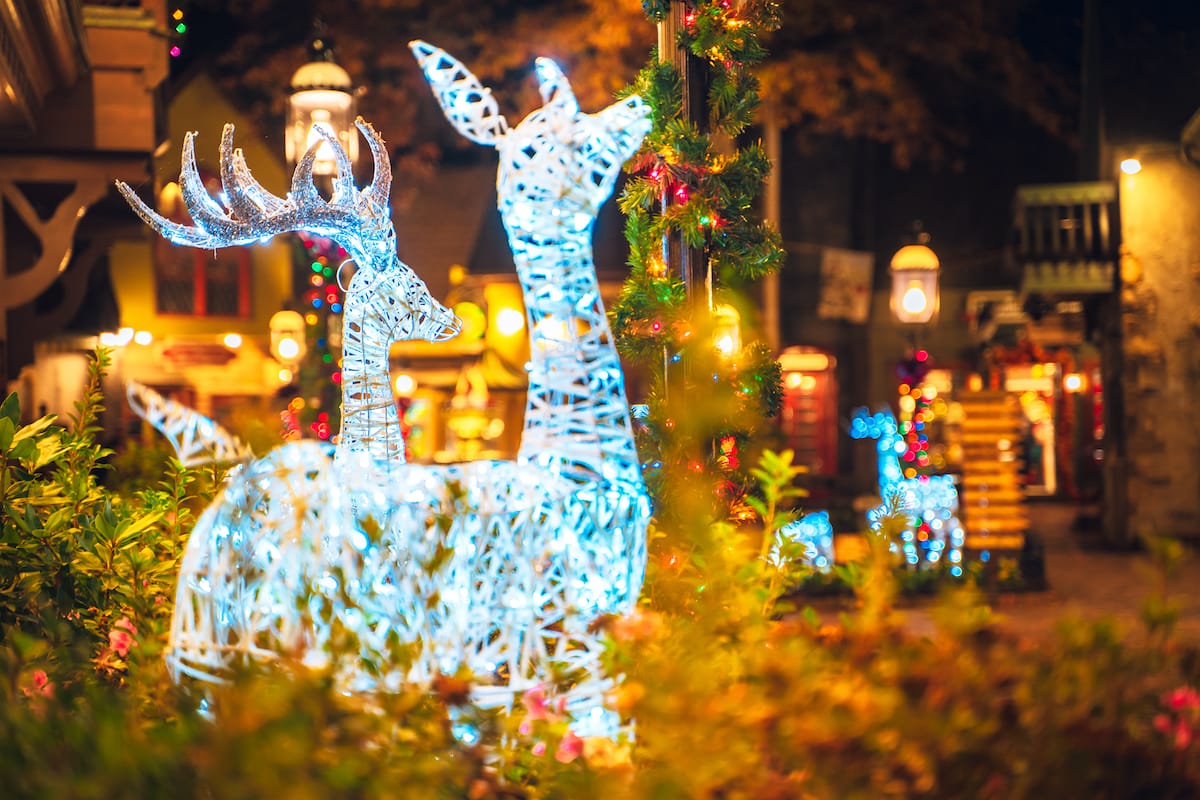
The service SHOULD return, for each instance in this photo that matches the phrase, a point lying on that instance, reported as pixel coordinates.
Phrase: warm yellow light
(288, 348)
(509, 321)
(1073, 382)
(808, 383)
(1131, 166)
(143, 337)
(793, 380)
(474, 320)
(552, 332)
(311, 319)
(727, 330)
(285, 375)
(178, 15)
(234, 340)
(907, 404)
(405, 384)
(793, 360)
(914, 301)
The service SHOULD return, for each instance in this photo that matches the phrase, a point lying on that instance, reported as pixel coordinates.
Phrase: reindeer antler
(255, 214)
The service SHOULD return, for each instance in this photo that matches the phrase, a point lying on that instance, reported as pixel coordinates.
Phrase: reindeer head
(360, 221)
(559, 164)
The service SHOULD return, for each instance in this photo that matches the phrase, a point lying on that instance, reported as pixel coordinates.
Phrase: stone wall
(1160, 321)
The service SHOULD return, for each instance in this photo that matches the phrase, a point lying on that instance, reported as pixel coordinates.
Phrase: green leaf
(127, 532)
(11, 409)
(34, 428)
(7, 429)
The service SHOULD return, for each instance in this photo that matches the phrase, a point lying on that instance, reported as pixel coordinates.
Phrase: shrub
(731, 692)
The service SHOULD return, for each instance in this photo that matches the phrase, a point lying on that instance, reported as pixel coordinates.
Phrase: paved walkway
(1090, 582)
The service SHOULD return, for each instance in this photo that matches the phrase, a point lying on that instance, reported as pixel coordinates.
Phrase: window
(194, 282)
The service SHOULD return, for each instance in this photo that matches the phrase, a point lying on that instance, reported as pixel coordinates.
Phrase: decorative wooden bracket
(56, 236)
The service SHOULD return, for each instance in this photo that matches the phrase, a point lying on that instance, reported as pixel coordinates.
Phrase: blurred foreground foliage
(735, 695)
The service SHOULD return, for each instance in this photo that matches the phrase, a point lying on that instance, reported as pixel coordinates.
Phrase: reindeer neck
(890, 467)
(576, 417)
(370, 423)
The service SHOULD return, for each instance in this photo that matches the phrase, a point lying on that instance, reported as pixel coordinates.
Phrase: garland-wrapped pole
(694, 244)
(689, 263)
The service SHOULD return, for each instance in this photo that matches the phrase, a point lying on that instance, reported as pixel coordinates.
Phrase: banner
(846, 277)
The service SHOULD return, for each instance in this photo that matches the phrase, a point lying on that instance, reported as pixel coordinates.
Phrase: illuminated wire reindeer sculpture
(297, 539)
(557, 167)
(499, 566)
(930, 502)
(195, 438)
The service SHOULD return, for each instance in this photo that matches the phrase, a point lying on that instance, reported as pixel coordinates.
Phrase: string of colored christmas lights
(684, 185)
(916, 413)
(320, 374)
(177, 29)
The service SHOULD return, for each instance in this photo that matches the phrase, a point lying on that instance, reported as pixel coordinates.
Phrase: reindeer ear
(628, 121)
(468, 105)
(555, 88)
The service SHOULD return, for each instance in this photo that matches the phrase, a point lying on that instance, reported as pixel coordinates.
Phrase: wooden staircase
(992, 499)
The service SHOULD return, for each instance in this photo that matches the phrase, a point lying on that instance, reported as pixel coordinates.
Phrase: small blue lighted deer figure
(934, 531)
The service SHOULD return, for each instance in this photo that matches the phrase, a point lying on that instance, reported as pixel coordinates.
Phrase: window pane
(222, 282)
(175, 280)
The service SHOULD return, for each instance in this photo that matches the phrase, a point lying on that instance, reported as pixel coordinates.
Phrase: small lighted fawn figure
(931, 502)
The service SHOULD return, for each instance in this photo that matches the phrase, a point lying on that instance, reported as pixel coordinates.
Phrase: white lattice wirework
(245, 580)
(196, 438)
(557, 167)
(930, 499)
(385, 301)
(498, 566)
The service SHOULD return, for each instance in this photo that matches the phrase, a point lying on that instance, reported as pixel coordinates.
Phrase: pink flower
(569, 749)
(525, 728)
(41, 685)
(120, 638)
(1183, 735)
(535, 703)
(539, 749)
(1181, 698)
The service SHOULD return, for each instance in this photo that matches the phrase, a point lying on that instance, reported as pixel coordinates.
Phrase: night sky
(1150, 51)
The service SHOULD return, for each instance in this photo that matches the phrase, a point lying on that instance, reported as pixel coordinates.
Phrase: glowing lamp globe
(287, 337)
(321, 100)
(915, 270)
(727, 330)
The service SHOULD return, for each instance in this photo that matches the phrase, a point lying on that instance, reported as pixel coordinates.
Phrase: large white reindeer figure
(557, 167)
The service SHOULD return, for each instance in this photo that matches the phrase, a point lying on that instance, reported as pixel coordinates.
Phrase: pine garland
(710, 194)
